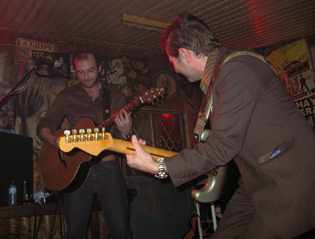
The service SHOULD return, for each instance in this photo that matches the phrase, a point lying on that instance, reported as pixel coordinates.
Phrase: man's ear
(99, 68)
(185, 54)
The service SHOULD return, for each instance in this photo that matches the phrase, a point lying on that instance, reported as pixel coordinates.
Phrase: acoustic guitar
(67, 171)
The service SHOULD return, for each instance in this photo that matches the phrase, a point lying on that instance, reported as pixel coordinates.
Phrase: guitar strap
(207, 102)
(106, 113)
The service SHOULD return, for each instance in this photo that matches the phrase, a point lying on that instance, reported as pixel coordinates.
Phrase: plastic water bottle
(12, 191)
(26, 195)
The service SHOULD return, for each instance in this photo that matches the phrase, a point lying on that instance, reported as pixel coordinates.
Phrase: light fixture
(144, 22)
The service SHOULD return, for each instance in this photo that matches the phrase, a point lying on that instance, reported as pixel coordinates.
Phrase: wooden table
(34, 210)
(29, 210)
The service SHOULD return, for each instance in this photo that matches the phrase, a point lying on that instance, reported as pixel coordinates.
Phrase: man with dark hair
(90, 99)
(254, 123)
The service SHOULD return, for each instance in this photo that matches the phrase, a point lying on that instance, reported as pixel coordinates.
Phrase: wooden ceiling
(237, 23)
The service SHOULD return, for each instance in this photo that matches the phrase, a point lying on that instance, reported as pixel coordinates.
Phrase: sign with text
(294, 65)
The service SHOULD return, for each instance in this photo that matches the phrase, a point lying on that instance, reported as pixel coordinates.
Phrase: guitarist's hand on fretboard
(124, 123)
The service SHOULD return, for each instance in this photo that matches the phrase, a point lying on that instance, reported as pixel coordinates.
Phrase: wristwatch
(162, 170)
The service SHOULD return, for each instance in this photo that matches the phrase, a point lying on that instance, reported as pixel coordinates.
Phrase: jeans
(107, 183)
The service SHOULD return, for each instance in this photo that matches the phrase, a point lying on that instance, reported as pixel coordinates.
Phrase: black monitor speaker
(16, 159)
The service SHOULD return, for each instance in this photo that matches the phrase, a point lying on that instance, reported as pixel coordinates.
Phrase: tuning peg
(80, 136)
(96, 130)
(66, 132)
(96, 133)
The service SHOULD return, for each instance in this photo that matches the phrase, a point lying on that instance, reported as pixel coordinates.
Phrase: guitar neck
(129, 107)
(147, 97)
(95, 143)
(126, 147)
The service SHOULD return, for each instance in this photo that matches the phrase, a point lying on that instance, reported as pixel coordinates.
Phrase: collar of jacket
(214, 58)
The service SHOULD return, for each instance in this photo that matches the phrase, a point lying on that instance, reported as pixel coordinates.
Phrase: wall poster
(294, 64)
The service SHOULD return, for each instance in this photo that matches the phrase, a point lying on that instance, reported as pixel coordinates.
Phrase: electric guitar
(212, 187)
(67, 171)
(209, 190)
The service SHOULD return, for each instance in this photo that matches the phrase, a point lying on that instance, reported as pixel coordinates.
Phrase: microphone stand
(12, 92)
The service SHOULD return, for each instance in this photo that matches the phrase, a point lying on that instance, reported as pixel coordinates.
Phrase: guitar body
(64, 171)
(212, 187)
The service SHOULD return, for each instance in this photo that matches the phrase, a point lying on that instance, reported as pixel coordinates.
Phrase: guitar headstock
(90, 141)
(152, 95)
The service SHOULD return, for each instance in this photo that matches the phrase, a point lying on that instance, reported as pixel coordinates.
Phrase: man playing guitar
(89, 99)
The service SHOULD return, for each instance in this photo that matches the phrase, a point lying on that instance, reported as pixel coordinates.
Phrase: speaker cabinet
(16, 158)
(158, 209)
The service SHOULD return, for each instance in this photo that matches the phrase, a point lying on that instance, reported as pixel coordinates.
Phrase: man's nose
(85, 75)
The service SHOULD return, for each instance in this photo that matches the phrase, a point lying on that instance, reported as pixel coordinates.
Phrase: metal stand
(15, 90)
(213, 218)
